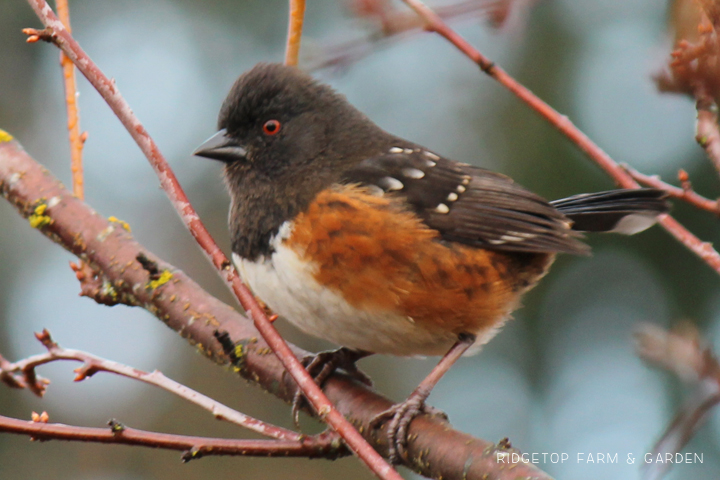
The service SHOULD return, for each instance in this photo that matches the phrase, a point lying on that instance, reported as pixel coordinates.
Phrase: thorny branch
(434, 448)
(106, 87)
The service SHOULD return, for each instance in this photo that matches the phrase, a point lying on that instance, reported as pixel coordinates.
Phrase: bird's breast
(363, 272)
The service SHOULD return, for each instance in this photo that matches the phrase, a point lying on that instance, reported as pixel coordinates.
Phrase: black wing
(469, 204)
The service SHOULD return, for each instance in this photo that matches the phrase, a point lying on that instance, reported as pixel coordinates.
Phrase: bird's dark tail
(620, 211)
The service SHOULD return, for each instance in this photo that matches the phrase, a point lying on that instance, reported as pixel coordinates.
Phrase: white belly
(287, 285)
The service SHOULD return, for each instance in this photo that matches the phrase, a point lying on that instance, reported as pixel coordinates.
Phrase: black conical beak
(221, 147)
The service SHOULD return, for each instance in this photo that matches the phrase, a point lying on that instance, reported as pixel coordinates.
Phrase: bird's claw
(398, 419)
(322, 365)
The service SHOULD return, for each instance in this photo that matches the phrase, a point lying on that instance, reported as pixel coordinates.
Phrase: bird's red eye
(271, 127)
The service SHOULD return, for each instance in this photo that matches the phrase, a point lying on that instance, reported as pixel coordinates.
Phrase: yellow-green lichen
(38, 219)
(237, 356)
(5, 136)
(164, 277)
(238, 351)
(122, 223)
(109, 291)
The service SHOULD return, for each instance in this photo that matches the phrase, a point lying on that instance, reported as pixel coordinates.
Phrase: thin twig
(107, 89)
(22, 373)
(708, 134)
(704, 250)
(295, 26)
(193, 447)
(77, 140)
(395, 25)
(685, 192)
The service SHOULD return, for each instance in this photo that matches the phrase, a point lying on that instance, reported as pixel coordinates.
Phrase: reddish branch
(57, 33)
(193, 447)
(21, 374)
(77, 139)
(391, 23)
(434, 448)
(434, 23)
(295, 27)
(685, 192)
(708, 134)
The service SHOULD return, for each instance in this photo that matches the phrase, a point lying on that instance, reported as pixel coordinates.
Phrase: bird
(378, 244)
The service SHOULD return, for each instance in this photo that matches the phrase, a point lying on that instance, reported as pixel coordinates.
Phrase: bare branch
(22, 372)
(295, 27)
(392, 24)
(77, 139)
(685, 192)
(708, 134)
(192, 447)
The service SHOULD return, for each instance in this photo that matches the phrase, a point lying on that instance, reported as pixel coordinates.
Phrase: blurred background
(561, 377)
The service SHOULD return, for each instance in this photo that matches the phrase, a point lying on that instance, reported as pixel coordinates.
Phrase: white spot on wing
(452, 197)
(460, 189)
(431, 155)
(523, 234)
(390, 184)
(511, 238)
(396, 150)
(375, 191)
(413, 173)
(442, 208)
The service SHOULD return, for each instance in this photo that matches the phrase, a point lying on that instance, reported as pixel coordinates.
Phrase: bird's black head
(278, 118)
(284, 137)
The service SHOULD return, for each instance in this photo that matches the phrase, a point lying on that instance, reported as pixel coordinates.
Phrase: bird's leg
(321, 365)
(399, 416)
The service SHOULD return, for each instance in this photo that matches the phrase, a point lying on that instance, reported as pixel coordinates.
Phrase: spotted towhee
(378, 244)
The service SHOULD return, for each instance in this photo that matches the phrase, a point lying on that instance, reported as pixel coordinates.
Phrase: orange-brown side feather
(380, 256)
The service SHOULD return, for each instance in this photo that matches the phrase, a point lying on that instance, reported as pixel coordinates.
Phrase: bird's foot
(398, 419)
(322, 365)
